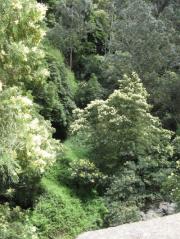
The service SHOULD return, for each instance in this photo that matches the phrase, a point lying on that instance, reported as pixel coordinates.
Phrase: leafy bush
(125, 196)
(126, 185)
(171, 185)
(122, 212)
(59, 213)
(134, 188)
(15, 224)
(84, 174)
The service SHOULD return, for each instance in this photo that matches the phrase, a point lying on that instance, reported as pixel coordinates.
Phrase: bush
(121, 213)
(59, 213)
(125, 196)
(134, 188)
(84, 174)
(15, 224)
(171, 186)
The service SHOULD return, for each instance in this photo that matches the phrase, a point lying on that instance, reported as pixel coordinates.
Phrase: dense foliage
(126, 140)
(121, 128)
(15, 224)
(115, 64)
(27, 147)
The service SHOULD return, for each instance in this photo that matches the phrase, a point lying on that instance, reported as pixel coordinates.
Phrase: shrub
(15, 224)
(84, 174)
(121, 213)
(135, 187)
(171, 186)
(59, 213)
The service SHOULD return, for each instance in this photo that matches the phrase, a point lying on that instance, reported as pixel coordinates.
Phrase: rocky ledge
(167, 227)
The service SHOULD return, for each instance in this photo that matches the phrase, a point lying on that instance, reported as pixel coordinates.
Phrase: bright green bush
(60, 214)
(15, 224)
(72, 151)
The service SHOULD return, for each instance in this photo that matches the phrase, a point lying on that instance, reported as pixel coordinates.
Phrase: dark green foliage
(113, 68)
(166, 98)
(121, 213)
(70, 28)
(134, 188)
(148, 32)
(171, 184)
(89, 91)
(57, 97)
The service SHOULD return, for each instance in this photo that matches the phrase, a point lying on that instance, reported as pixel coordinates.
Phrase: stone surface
(167, 227)
(163, 209)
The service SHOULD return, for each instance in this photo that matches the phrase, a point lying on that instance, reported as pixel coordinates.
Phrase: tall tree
(27, 146)
(71, 26)
(121, 128)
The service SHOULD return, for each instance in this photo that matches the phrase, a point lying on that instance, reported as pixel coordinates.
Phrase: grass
(59, 212)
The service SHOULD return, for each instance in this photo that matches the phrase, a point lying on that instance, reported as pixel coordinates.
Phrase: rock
(151, 214)
(167, 208)
(167, 227)
(164, 209)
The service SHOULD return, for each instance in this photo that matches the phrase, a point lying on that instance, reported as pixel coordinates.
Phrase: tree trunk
(71, 58)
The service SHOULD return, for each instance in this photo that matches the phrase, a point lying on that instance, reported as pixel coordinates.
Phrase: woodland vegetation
(89, 114)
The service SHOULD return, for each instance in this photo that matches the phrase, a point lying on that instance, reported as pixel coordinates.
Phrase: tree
(129, 145)
(27, 146)
(71, 27)
(57, 100)
(21, 57)
(89, 91)
(167, 99)
(121, 128)
(26, 63)
(146, 38)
